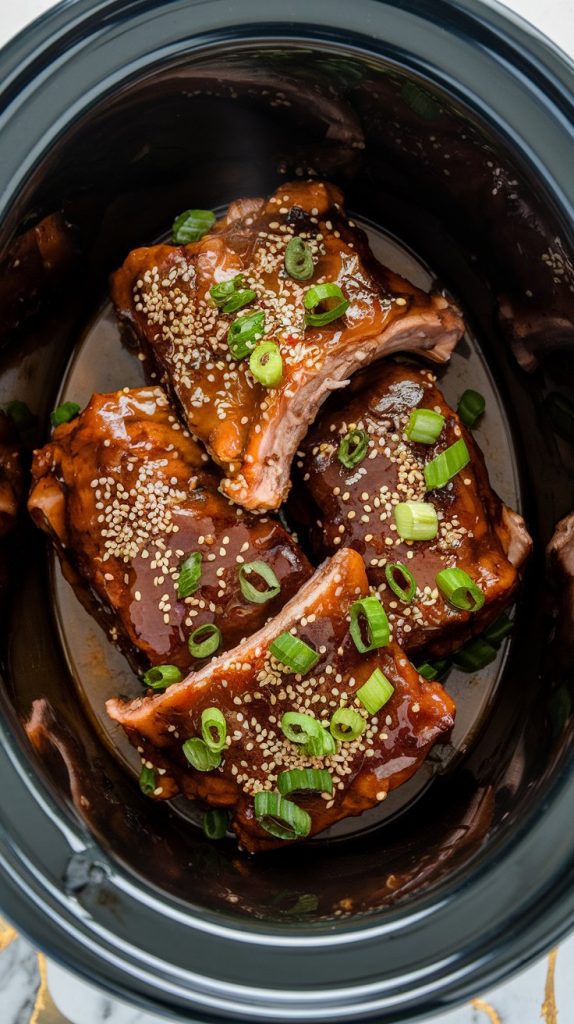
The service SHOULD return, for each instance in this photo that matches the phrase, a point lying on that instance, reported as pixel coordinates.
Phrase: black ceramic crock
(448, 124)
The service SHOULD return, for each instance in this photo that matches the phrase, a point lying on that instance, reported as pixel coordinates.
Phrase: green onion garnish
(460, 590)
(64, 413)
(265, 572)
(316, 780)
(245, 332)
(222, 292)
(299, 260)
(371, 609)
(161, 676)
(424, 426)
(318, 294)
(213, 728)
(416, 520)
(321, 745)
(238, 300)
(215, 823)
(353, 448)
(19, 413)
(376, 692)
(281, 818)
(498, 630)
(294, 653)
(298, 727)
(204, 640)
(189, 575)
(147, 781)
(346, 724)
(471, 407)
(474, 655)
(407, 588)
(191, 225)
(446, 465)
(434, 669)
(266, 364)
(200, 756)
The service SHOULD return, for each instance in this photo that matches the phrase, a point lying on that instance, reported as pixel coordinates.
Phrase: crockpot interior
(426, 168)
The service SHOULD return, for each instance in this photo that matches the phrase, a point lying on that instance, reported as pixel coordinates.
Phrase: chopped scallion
(265, 572)
(416, 520)
(460, 590)
(189, 575)
(64, 413)
(215, 823)
(443, 467)
(147, 781)
(424, 426)
(266, 364)
(372, 612)
(319, 294)
(376, 692)
(294, 653)
(407, 588)
(299, 728)
(471, 407)
(245, 332)
(475, 655)
(204, 640)
(200, 756)
(213, 728)
(161, 676)
(191, 225)
(299, 260)
(498, 630)
(281, 818)
(346, 724)
(298, 780)
(353, 448)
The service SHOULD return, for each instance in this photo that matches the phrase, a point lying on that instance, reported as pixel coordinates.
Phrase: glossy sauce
(101, 363)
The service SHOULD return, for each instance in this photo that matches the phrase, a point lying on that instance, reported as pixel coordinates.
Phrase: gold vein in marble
(549, 1009)
(491, 1013)
(7, 934)
(45, 1010)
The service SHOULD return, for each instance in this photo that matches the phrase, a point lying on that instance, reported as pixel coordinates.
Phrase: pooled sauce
(101, 363)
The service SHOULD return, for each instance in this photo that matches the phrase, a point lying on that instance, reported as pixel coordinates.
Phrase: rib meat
(253, 690)
(126, 495)
(338, 506)
(162, 293)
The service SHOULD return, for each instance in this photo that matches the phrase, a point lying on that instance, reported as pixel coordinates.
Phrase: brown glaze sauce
(101, 363)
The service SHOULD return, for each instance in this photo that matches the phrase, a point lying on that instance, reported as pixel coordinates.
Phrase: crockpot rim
(70, 5)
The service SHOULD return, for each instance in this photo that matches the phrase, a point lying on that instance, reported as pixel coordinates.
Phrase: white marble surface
(523, 1000)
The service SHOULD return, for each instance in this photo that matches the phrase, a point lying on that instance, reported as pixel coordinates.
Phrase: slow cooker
(449, 127)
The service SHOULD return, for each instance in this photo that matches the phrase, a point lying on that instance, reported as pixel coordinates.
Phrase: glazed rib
(338, 506)
(126, 495)
(253, 690)
(252, 432)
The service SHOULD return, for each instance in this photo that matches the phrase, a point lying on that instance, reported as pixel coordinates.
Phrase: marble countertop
(34, 991)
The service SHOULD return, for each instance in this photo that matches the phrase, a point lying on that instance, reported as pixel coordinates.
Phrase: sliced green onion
(222, 292)
(306, 903)
(416, 520)
(189, 575)
(213, 728)
(321, 745)
(266, 364)
(266, 573)
(424, 426)
(299, 260)
(318, 294)
(161, 676)
(147, 781)
(299, 728)
(204, 640)
(376, 692)
(471, 407)
(316, 780)
(245, 332)
(378, 631)
(405, 592)
(19, 413)
(353, 448)
(200, 756)
(474, 655)
(294, 653)
(460, 590)
(64, 413)
(281, 818)
(191, 225)
(441, 469)
(427, 670)
(498, 630)
(346, 724)
(215, 823)
(239, 299)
